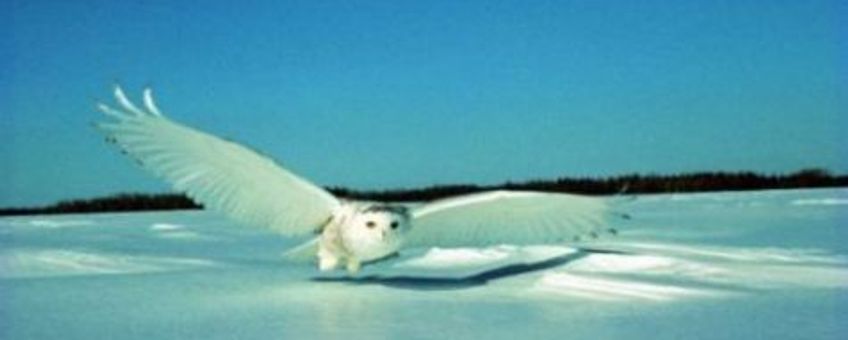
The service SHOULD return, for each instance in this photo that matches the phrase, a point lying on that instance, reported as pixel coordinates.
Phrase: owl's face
(376, 231)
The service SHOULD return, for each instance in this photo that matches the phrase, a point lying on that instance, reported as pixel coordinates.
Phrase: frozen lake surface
(751, 265)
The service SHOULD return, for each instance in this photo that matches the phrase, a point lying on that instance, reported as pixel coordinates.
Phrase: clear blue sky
(371, 94)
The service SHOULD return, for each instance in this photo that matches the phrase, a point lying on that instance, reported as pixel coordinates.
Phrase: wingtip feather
(122, 99)
(110, 111)
(149, 103)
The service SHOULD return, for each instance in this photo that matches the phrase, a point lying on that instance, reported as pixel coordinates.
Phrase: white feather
(222, 175)
(126, 103)
(512, 217)
(149, 103)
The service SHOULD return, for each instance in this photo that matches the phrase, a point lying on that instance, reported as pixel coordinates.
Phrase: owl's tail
(305, 252)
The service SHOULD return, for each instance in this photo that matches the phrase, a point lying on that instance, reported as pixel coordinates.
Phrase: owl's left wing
(220, 174)
(511, 217)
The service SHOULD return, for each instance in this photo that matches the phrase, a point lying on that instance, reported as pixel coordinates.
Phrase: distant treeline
(630, 184)
(114, 203)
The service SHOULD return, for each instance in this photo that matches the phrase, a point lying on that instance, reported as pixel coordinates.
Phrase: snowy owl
(255, 190)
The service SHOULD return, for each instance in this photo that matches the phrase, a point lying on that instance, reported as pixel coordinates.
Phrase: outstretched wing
(513, 217)
(219, 174)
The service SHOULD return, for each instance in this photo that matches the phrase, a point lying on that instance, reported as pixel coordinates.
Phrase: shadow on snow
(479, 279)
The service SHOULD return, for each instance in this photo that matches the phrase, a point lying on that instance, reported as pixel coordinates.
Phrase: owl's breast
(369, 246)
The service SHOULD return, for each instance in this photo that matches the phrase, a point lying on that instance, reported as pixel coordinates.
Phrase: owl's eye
(370, 224)
(394, 224)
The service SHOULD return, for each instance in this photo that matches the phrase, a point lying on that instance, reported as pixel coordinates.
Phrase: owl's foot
(327, 263)
(353, 266)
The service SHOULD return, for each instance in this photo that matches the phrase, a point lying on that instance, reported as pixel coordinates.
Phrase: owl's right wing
(510, 217)
(217, 173)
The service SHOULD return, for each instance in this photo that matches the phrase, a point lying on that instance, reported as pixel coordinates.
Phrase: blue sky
(371, 94)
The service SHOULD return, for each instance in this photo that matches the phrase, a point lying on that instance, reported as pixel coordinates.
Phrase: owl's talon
(353, 266)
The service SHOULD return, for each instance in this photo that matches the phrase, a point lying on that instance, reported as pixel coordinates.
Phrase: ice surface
(766, 264)
(821, 201)
(39, 263)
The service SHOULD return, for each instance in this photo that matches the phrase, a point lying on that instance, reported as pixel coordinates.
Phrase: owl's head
(382, 221)
(374, 231)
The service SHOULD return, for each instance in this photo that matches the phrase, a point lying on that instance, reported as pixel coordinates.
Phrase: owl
(253, 189)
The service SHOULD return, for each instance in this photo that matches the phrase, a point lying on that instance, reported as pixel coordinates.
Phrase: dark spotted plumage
(390, 208)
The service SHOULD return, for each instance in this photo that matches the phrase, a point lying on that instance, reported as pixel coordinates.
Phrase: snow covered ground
(767, 264)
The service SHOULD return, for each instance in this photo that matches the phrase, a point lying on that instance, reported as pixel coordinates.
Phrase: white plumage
(514, 217)
(253, 189)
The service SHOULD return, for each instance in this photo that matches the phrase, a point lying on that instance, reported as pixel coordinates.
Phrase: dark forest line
(630, 184)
